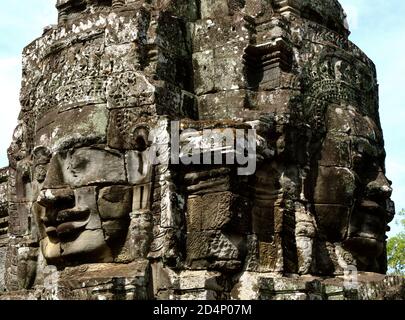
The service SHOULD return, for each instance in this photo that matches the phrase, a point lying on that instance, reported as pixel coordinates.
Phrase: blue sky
(377, 26)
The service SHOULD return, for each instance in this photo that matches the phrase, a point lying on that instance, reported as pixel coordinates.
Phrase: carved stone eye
(78, 163)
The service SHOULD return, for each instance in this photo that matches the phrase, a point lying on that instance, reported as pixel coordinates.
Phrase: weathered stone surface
(93, 282)
(335, 186)
(333, 220)
(4, 218)
(3, 253)
(217, 211)
(125, 180)
(213, 249)
(366, 286)
(74, 125)
(115, 202)
(187, 285)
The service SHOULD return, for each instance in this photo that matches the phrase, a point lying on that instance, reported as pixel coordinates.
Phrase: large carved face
(88, 147)
(352, 193)
(84, 204)
(83, 193)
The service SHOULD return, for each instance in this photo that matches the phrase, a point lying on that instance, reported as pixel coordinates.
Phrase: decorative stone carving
(125, 180)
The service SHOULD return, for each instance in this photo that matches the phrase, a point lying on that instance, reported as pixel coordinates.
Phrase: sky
(377, 26)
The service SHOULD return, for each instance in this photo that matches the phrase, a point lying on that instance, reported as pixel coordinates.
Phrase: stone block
(129, 89)
(221, 105)
(336, 151)
(142, 197)
(127, 28)
(332, 221)
(204, 67)
(140, 236)
(213, 249)
(217, 211)
(84, 166)
(19, 219)
(291, 296)
(334, 186)
(115, 202)
(344, 120)
(211, 34)
(105, 282)
(139, 167)
(214, 8)
(229, 68)
(91, 122)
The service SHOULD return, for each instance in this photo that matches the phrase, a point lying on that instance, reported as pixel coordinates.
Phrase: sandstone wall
(98, 206)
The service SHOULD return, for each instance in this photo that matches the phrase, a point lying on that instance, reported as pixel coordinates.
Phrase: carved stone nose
(55, 200)
(379, 188)
(54, 177)
(54, 197)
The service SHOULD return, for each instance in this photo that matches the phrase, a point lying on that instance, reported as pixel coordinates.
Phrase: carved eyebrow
(77, 142)
(367, 147)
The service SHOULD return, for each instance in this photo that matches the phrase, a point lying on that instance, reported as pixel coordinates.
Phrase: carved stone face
(101, 89)
(83, 208)
(352, 192)
(371, 213)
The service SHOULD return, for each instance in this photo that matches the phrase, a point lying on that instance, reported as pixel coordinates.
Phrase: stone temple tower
(210, 149)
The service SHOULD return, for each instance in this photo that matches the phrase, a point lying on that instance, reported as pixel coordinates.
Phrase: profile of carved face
(83, 205)
(352, 192)
(373, 208)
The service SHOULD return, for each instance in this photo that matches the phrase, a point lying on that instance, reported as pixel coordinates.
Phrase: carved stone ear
(141, 137)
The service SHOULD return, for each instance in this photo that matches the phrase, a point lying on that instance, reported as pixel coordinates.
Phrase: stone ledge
(367, 286)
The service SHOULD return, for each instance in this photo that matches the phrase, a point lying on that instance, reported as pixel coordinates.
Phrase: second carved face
(84, 204)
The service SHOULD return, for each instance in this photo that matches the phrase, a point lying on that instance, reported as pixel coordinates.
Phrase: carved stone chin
(213, 149)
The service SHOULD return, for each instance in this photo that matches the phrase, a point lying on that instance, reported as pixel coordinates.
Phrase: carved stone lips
(71, 215)
(375, 223)
(70, 220)
(372, 207)
(68, 227)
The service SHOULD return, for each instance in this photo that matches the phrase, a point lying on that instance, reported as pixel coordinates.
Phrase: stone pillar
(3, 225)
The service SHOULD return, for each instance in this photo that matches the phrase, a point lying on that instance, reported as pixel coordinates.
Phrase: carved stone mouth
(365, 236)
(69, 221)
(373, 230)
(72, 215)
(373, 208)
(364, 244)
(70, 227)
